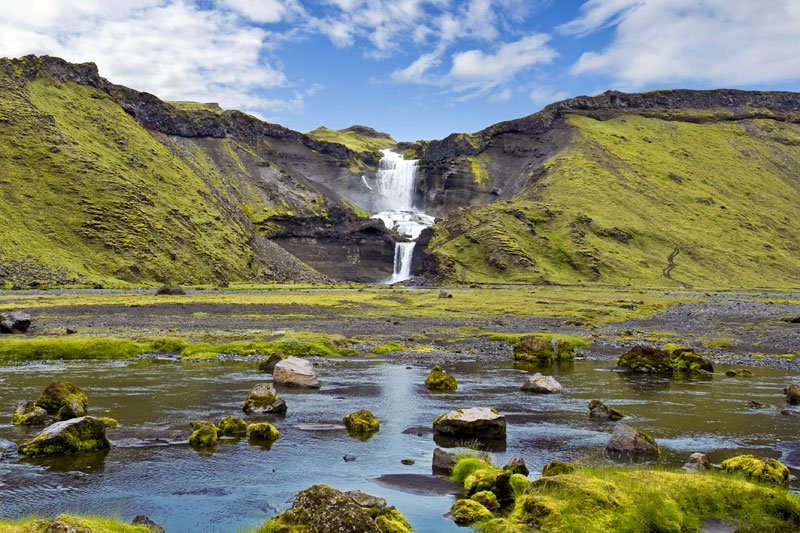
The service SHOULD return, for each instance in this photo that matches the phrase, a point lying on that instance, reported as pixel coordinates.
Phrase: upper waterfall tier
(396, 182)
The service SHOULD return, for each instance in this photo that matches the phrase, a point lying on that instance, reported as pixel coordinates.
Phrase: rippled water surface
(240, 485)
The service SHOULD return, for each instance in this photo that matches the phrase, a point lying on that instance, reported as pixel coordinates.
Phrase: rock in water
(263, 399)
(516, 465)
(670, 360)
(443, 462)
(60, 395)
(632, 442)
(268, 363)
(481, 422)
(361, 423)
(739, 373)
(263, 431)
(598, 409)
(295, 372)
(69, 437)
(438, 380)
(14, 322)
(533, 350)
(204, 434)
(792, 394)
(698, 462)
(765, 470)
(322, 509)
(542, 384)
(232, 426)
(28, 414)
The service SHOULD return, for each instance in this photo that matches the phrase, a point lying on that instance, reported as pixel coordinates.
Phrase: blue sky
(417, 69)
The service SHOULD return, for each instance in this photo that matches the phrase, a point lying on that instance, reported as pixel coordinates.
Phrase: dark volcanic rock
(14, 322)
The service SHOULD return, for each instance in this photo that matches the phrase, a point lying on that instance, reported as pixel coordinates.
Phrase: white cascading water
(396, 181)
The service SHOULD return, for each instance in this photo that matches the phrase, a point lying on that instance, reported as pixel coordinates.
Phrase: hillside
(673, 194)
(103, 184)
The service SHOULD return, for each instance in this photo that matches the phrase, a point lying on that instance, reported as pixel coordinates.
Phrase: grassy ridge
(357, 142)
(631, 198)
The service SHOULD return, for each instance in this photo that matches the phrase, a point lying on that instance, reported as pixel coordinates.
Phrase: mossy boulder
(533, 350)
(766, 470)
(68, 437)
(63, 395)
(263, 399)
(204, 434)
(29, 414)
(629, 441)
(322, 509)
(232, 426)
(487, 499)
(557, 468)
(268, 363)
(263, 431)
(598, 409)
(361, 423)
(466, 512)
(475, 422)
(672, 360)
(439, 380)
(792, 394)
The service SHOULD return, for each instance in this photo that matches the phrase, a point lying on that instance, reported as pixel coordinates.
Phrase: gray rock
(14, 322)
(698, 462)
(598, 409)
(295, 372)
(263, 399)
(542, 384)
(630, 441)
(443, 462)
(516, 465)
(480, 422)
(69, 437)
(29, 414)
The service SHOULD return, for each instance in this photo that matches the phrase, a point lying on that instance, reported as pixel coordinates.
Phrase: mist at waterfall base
(395, 185)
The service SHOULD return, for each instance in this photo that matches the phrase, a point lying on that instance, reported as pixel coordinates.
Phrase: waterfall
(396, 181)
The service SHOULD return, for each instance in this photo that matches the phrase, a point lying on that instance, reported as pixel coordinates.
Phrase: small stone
(349, 458)
(263, 399)
(263, 431)
(29, 414)
(698, 462)
(408, 462)
(630, 441)
(439, 380)
(71, 331)
(739, 373)
(752, 404)
(540, 384)
(443, 462)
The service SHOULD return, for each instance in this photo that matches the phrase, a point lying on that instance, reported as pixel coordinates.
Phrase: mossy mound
(557, 468)
(739, 373)
(63, 394)
(671, 360)
(533, 350)
(324, 509)
(439, 380)
(263, 431)
(466, 512)
(232, 426)
(766, 470)
(69, 437)
(204, 434)
(487, 499)
(542, 348)
(361, 423)
(29, 414)
(598, 409)
(600, 499)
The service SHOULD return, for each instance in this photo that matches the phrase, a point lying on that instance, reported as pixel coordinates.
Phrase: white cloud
(544, 95)
(501, 96)
(713, 42)
(171, 48)
(265, 11)
(475, 68)
(417, 71)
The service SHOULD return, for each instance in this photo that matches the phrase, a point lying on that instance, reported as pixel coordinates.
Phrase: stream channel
(240, 484)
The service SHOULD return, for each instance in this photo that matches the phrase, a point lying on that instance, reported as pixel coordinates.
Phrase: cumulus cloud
(265, 11)
(171, 48)
(713, 42)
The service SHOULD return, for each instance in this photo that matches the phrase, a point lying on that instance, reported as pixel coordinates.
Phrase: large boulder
(540, 384)
(629, 441)
(598, 409)
(361, 424)
(295, 372)
(765, 470)
(792, 394)
(29, 414)
(14, 322)
(439, 380)
(322, 509)
(669, 360)
(263, 399)
(63, 400)
(68, 437)
(480, 422)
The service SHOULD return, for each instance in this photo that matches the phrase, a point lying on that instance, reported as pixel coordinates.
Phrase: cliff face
(116, 184)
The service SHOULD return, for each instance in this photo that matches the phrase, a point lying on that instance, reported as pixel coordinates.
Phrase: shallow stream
(240, 484)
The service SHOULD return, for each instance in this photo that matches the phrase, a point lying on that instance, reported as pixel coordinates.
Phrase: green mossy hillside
(357, 138)
(643, 201)
(64, 522)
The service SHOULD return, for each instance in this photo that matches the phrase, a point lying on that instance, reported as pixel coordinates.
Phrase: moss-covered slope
(650, 197)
